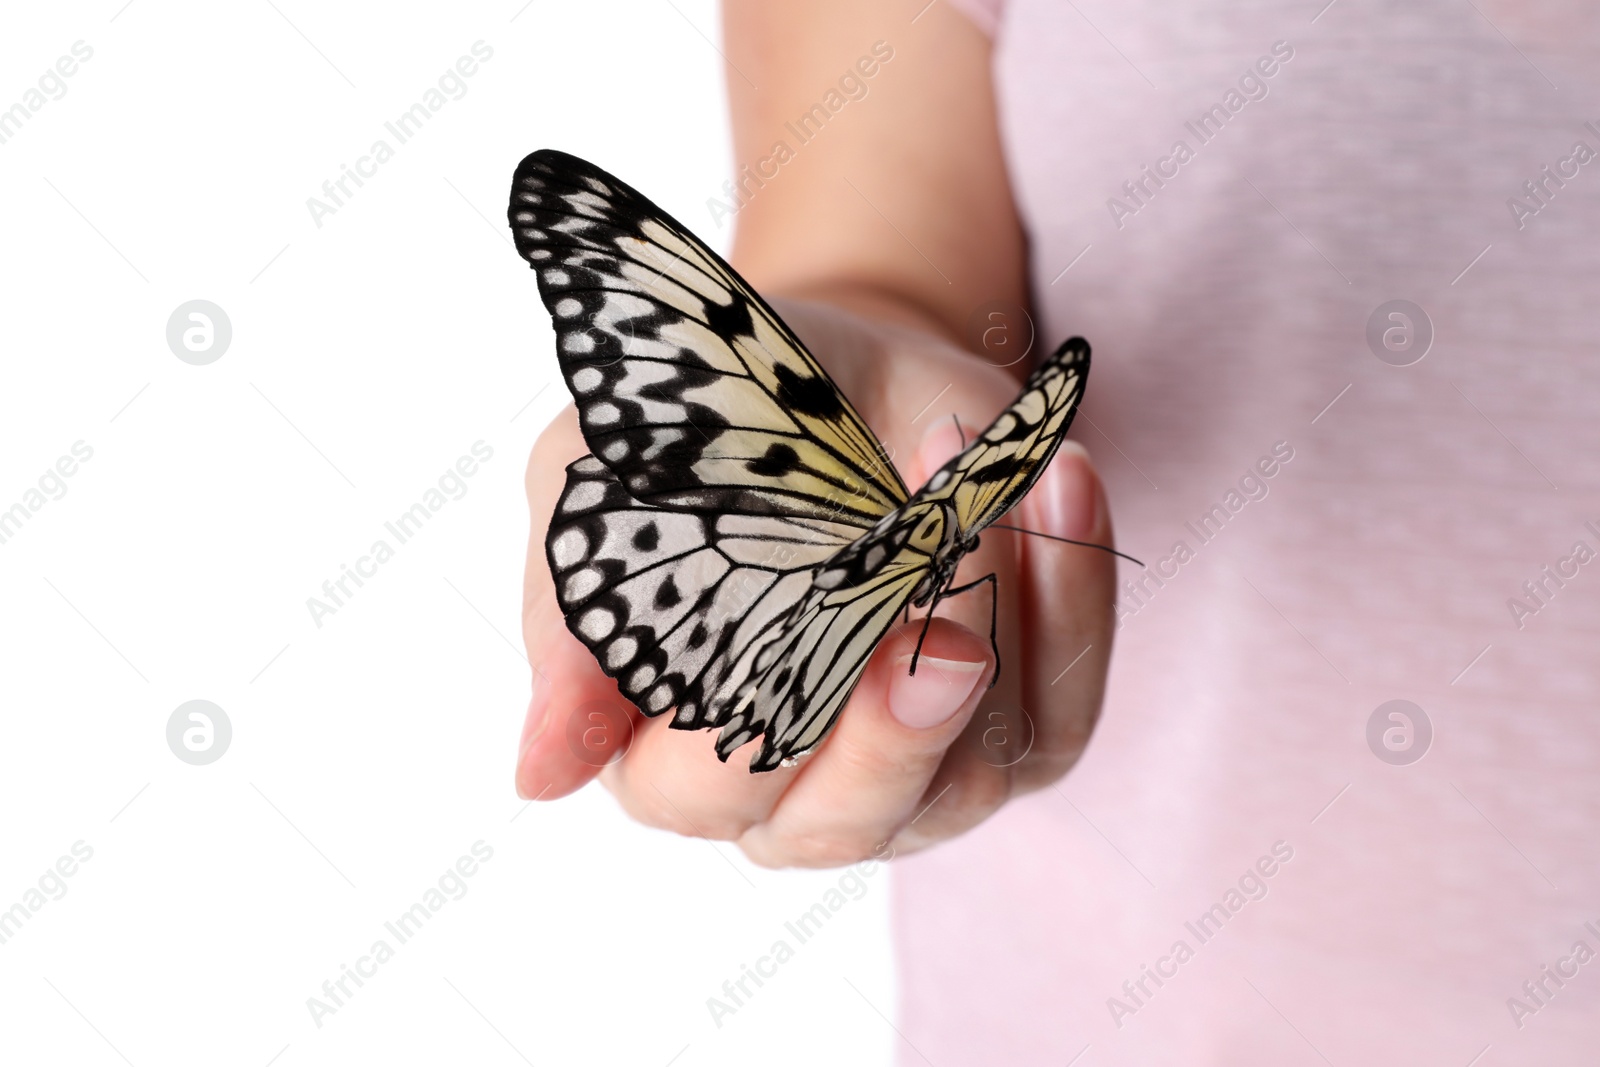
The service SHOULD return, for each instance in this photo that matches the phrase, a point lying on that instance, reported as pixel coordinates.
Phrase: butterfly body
(737, 542)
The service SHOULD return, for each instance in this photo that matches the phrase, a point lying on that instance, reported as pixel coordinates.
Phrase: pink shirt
(1232, 875)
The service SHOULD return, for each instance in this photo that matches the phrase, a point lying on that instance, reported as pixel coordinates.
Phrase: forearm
(897, 205)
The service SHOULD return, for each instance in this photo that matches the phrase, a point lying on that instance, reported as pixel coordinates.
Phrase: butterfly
(737, 541)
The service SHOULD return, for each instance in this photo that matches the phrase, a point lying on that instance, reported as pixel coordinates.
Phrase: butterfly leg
(916, 653)
(994, 607)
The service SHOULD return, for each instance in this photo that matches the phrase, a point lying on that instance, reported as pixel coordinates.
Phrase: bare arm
(878, 236)
(922, 148)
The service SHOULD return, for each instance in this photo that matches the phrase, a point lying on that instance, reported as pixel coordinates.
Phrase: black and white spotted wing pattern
(688, 386)
(737, 543)
(676, 605)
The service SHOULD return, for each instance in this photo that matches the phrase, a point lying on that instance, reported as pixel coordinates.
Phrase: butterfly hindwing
(806, 673)
(688, 386)
(675, 605)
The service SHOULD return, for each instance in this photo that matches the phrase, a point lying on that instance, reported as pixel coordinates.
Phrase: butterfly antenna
(1069, 541)
(957, 420)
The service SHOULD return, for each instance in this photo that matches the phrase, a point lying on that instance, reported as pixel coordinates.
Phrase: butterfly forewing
(688, 386)
(993, 473)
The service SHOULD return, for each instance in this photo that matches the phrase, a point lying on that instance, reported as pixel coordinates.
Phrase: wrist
(878, 305)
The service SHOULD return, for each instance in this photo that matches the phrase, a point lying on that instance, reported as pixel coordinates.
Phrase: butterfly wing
(806, 673)
(792, 643)
(688, 386)
(992, 474)
(738, 543)
(726, 465)
(677, 605)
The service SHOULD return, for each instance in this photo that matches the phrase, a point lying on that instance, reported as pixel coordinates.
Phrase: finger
(673, 779)
(576, 719)
(1068, 596)
(866, 780)
(975, 777)
(578, 722)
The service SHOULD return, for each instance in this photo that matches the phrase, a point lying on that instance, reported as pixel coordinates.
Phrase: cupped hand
(913, 759)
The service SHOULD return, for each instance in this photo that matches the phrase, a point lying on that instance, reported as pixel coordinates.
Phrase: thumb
(577, 722)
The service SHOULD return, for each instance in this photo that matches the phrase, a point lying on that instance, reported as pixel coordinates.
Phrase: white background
(370, 753)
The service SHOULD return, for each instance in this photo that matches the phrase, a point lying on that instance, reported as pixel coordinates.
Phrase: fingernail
(932, 695)
(534, 724)
(1070, 502)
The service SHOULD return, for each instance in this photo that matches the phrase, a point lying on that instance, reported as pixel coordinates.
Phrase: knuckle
(759, 854)
(718, 826)
(808, 848)
(910, 758)
(653, 808)
(656, 815)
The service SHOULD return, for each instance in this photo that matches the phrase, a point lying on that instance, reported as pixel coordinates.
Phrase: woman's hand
(912, 759)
